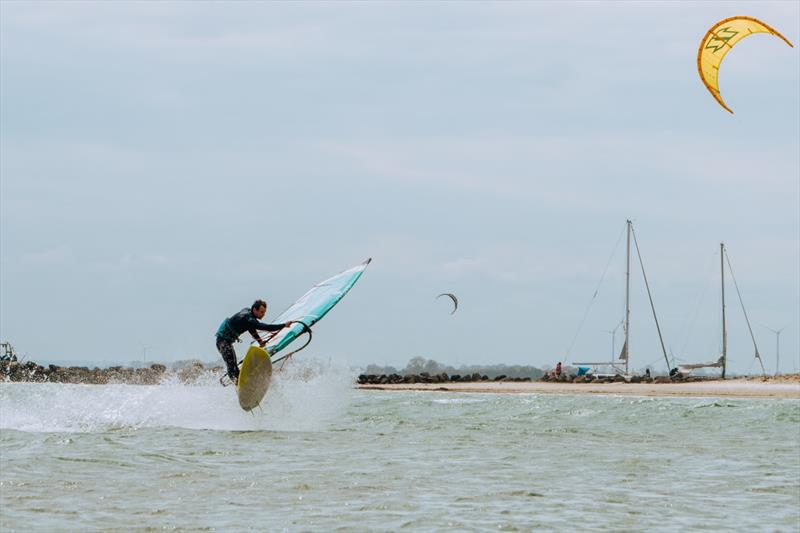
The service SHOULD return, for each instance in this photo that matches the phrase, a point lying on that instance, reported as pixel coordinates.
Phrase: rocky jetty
(619, 378)
(424, 377)
(155, 373)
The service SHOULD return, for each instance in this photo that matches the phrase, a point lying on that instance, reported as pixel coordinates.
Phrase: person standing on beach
(248, 319)
(558, 369)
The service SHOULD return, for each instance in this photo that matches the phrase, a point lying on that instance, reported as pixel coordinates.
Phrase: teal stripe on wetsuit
(225, 332)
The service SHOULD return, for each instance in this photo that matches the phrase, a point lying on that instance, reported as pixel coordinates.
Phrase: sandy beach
(733, 388)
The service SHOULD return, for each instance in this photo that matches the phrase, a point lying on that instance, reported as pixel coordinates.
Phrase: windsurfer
(248, 319)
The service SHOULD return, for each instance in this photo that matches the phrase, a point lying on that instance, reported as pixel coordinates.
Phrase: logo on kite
(721, 38)
(452, 297)
(722, 41)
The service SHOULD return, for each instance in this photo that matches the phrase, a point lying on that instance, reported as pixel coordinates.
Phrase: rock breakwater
(152, 375)
(425, 377)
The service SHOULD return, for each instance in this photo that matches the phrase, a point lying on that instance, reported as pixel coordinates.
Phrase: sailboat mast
(724, 326)
(627, 297)
(746, 318)
(650, 297)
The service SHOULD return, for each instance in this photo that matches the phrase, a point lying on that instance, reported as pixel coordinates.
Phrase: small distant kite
(718, 41)
(452, 297)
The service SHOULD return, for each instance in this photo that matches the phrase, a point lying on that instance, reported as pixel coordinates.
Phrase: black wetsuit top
(244, 320)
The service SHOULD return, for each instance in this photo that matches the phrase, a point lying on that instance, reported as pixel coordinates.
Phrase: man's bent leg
(228, 354)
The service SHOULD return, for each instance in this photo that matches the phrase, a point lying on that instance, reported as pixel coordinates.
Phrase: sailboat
(722, 362)
(622, 364)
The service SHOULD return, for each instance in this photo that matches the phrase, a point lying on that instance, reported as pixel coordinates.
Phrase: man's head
(259, 309)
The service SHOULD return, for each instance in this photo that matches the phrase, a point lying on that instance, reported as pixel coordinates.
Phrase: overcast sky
(164, 164)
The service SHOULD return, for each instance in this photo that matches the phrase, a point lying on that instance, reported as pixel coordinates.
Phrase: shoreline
(782, 387)
(730, 388)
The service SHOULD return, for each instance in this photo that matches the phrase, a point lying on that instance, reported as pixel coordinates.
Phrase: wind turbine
(777, 333)
(144, 353)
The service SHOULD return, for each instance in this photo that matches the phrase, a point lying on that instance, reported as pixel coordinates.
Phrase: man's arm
(269, 327)
(265, 327)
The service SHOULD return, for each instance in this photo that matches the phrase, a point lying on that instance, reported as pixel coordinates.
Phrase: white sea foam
(459, 400)
(304, 396)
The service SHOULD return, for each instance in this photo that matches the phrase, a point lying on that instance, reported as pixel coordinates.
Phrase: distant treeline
(418, 365)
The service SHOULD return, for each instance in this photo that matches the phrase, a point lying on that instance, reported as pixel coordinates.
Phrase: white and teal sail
(313, 305)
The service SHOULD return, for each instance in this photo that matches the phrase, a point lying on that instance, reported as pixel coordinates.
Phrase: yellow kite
(716, 43)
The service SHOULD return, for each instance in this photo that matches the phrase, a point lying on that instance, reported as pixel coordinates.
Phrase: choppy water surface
(323, 456)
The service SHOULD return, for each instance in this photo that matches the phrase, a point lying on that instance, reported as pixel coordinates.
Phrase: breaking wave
(304, 396)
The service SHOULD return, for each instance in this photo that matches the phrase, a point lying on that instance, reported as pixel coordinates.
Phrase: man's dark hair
(258, 304)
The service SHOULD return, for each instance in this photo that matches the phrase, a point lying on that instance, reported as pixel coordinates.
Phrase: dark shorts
(228, 354)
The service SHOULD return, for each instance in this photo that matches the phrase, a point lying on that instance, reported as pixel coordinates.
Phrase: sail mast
(746, 318)
(650, 297)
(724, 330)
(627, 296)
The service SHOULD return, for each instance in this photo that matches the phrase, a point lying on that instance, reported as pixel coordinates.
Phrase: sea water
(323, 456)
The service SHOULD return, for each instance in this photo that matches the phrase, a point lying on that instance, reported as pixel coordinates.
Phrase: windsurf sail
(312, 306)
